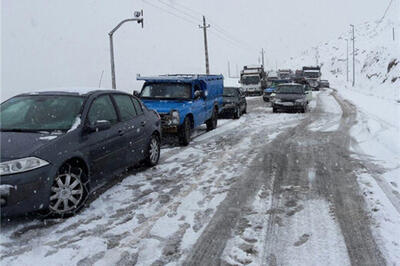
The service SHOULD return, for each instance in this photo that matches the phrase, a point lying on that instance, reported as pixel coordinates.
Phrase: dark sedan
(290, 97)
(57, 147)
(234, 103)
(324, 84)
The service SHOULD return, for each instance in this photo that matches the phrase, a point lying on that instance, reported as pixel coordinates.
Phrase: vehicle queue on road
(60, 146)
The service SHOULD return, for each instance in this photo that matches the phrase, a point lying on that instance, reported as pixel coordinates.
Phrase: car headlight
(21, 165)
(175, 119)
(277, 100)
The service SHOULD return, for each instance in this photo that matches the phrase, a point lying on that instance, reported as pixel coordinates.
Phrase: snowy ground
(376, 130)
(267, 189)
(155, 215)
(377, 143)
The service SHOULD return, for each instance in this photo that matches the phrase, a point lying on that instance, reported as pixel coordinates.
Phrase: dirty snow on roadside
(157, 214)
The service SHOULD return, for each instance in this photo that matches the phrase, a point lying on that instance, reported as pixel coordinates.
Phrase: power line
(179, 10)
(227, 40)
(191, 19)
(387, 9)
(171, 13)
(216, 27)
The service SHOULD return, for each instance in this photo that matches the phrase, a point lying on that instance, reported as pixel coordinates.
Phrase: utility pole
(139, 19)
(204, 27)
(393, 33)
(354, 64)
(229, 69)
(347, 60)
(262, 56)
(316, 55)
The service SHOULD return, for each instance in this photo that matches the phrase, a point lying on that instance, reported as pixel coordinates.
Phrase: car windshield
(167, 91)
(311, 74)
(40, 113)
(230, 92)
(290, 89)
(250, 80)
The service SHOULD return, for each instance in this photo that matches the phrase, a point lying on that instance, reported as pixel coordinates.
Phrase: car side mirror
(198, 94)
(136, 93)
(99, 125)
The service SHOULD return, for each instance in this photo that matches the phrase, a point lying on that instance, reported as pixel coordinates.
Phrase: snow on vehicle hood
(166, 106)
(16, 145)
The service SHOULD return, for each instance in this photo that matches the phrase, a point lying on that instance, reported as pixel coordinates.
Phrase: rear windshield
(230, 92)
(290, 89)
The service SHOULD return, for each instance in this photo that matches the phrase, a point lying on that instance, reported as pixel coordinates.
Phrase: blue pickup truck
(184, 102)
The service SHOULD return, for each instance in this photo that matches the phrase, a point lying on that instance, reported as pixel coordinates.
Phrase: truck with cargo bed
(253, 80)
(313, 76)
(184, 101)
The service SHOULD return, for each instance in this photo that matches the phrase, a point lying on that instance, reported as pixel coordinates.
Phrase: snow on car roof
(289, 84)
(73, 90)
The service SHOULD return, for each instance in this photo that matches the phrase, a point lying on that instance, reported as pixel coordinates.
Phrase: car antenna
(101, 78)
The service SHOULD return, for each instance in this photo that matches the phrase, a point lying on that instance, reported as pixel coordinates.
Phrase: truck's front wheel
(185, 132)
(212, 122)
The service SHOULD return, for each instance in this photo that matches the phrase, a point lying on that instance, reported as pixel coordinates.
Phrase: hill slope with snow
(377, 59)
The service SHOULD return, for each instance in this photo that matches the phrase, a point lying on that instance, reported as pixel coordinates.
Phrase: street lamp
(347, 60)
(138, 17)
(354, 64)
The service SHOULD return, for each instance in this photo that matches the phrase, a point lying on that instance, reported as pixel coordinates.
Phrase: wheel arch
(191, 117)
(78, 161)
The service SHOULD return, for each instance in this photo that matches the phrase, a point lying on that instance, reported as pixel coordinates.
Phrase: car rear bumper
(227, 111)
(26, 192)
(253, 93)
(288, 107)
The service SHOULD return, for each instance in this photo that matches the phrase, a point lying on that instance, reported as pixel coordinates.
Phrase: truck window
(167, 91)
(250, 79)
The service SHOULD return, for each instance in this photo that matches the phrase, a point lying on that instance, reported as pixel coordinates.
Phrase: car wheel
(236, 114)
(69, 191)
(212, 122)
(153, 150)
(185, 132)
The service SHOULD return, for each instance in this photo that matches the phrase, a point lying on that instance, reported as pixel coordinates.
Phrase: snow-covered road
(267, 189)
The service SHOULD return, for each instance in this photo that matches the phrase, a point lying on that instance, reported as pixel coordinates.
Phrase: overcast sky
(58, 43)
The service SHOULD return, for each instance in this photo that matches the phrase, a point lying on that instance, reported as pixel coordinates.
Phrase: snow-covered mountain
(377, 63)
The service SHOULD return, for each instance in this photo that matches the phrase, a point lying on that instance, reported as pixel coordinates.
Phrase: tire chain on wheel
(51, 214)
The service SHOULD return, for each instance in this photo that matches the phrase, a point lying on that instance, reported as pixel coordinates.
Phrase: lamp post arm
(110, 34)
(140, 20)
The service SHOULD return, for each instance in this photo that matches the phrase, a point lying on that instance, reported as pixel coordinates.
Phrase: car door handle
(143, 123)
(121, 132)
